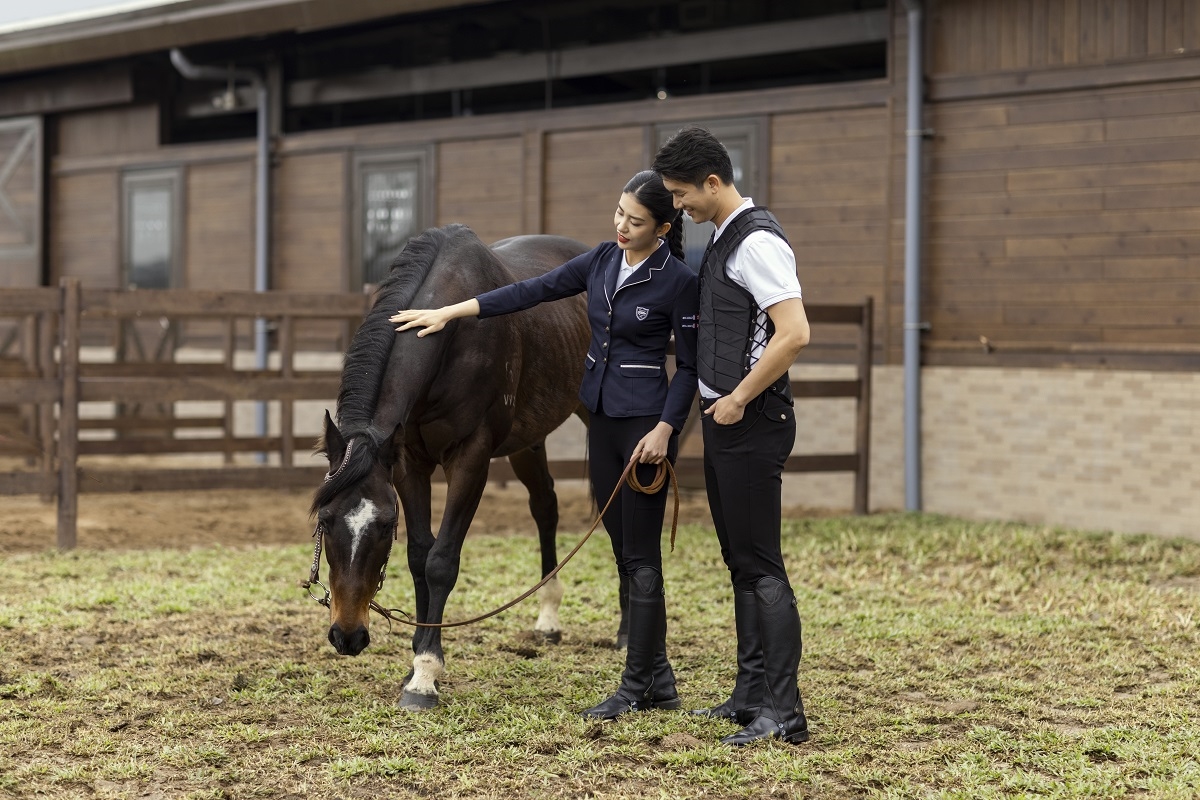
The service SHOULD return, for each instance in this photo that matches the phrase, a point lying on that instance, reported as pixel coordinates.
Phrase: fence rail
(48, 379)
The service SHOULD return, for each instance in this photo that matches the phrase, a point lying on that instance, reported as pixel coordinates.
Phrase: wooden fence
(47, 379)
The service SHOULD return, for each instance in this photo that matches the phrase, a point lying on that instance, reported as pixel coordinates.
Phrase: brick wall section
(1103, 450)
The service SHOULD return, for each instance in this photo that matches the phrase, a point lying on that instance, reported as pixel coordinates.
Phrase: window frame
(751, 130)
(361, 164)
(170, 178)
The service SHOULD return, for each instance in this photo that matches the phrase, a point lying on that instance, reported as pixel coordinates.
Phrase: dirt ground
(251, 517)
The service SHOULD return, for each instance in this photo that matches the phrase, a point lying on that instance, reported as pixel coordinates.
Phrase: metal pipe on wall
(262, 207)
(912, 264)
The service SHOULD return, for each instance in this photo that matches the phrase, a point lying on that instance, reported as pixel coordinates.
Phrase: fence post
(48, 328)
(68, 416)
(862, 432)
(287, 369)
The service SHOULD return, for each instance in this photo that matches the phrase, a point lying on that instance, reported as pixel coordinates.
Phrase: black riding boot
(623, 627)
(742, 706)
(782, 712)
(646, 620)
(663, 694)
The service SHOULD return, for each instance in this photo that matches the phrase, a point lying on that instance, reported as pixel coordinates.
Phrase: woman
(639, 291)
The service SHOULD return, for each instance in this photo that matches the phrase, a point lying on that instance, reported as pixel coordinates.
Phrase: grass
(943, 659)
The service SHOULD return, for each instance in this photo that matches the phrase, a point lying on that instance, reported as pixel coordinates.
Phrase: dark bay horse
(477, 390)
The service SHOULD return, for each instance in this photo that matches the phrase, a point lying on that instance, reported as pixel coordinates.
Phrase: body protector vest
(728, 313)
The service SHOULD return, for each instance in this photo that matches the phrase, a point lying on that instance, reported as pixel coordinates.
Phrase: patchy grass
(943, 659)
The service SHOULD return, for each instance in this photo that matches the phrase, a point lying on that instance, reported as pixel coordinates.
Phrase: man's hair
(691, 155)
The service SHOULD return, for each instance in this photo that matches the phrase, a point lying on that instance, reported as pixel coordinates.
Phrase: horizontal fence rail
(49, 367)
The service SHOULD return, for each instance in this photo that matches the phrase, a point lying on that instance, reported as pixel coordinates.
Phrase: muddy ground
(199, 519)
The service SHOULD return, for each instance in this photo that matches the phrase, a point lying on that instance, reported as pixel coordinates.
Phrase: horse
(480, 389)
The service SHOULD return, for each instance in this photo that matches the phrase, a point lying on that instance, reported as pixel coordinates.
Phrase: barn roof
(133, 28)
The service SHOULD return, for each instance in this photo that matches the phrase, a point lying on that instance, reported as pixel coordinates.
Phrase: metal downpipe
(912, 264)
(262, 207)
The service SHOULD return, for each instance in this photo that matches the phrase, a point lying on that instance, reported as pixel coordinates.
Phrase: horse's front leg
(413, 487)
(466, 477)
(531, 469)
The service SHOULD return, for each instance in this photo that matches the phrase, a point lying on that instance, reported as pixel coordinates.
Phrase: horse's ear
(335, 445)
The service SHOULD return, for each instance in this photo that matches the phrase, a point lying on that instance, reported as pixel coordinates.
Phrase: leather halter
(314, 572)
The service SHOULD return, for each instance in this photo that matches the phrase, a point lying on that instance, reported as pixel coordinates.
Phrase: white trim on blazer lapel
(650, 270)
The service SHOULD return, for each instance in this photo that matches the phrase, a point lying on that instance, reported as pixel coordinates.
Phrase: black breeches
(634, 521)
(743, 474)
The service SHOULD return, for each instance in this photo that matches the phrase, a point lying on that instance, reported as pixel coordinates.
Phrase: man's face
(700, 202)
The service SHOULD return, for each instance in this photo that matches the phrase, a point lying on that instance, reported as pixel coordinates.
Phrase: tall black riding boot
(782, 712)
(623, 599)
(663, 694)
(646, 620)
(742, 706)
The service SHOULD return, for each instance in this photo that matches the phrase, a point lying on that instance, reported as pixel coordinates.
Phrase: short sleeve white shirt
(764, 265)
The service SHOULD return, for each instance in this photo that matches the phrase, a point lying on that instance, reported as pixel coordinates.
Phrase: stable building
(1035, 265)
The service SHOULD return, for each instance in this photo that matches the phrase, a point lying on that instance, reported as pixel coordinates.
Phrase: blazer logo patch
(642, 312)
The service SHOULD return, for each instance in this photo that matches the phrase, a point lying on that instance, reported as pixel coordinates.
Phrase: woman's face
(636, 231)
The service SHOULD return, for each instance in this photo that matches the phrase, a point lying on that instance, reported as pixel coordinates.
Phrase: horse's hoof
(622, 641)
(549, 637)
(411, 701)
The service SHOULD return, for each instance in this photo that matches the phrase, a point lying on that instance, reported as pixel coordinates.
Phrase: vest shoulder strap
(756, 218)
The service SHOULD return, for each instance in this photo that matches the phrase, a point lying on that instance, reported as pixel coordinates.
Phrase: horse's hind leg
(532, 470)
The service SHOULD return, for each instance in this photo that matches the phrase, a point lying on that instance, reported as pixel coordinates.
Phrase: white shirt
(626, 269)
(765, 266)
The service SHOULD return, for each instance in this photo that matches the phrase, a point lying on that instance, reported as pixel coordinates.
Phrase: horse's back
(534, 254)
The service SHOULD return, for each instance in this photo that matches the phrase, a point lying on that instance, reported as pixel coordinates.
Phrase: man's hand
(726, 411)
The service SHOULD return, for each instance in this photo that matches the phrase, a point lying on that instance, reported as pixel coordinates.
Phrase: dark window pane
(389, 216)
(150, 237)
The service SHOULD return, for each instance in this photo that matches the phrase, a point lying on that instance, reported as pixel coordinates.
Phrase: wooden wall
(310, 219)
(1063, 203)
(106, 131)
(828, 187)
(1062, 199)
(1073, 218)
(84, 229)
(585, 172)
(219, 225)
(478, 184)
(986, 35)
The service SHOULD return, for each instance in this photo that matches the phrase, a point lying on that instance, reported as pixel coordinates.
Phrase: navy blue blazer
(625, 370)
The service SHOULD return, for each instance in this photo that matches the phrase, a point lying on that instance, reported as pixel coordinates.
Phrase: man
(752, 326)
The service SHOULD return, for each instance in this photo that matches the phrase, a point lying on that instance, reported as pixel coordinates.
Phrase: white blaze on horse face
(358, 521)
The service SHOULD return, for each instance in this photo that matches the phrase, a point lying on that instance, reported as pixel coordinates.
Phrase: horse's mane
(367, 358)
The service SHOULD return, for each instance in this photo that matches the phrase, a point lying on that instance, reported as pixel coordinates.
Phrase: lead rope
(629, 475)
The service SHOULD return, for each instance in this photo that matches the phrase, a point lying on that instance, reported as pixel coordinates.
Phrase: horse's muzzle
(349, 644)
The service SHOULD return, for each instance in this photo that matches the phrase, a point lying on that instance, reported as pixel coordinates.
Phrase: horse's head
(357, 512)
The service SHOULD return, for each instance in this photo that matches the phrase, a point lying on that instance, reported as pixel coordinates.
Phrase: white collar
(747, 203)
(631, 267)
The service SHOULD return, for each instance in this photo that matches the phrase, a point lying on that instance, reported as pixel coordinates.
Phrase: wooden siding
(585, 172)
(219, 226)
(479, 184)
(1067, 220)
(85, 229)
(971, 36)
(829, 190)
(309, 224)
(108, 131)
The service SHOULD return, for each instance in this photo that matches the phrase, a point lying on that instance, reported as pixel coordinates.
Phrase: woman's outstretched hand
(430, 320)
